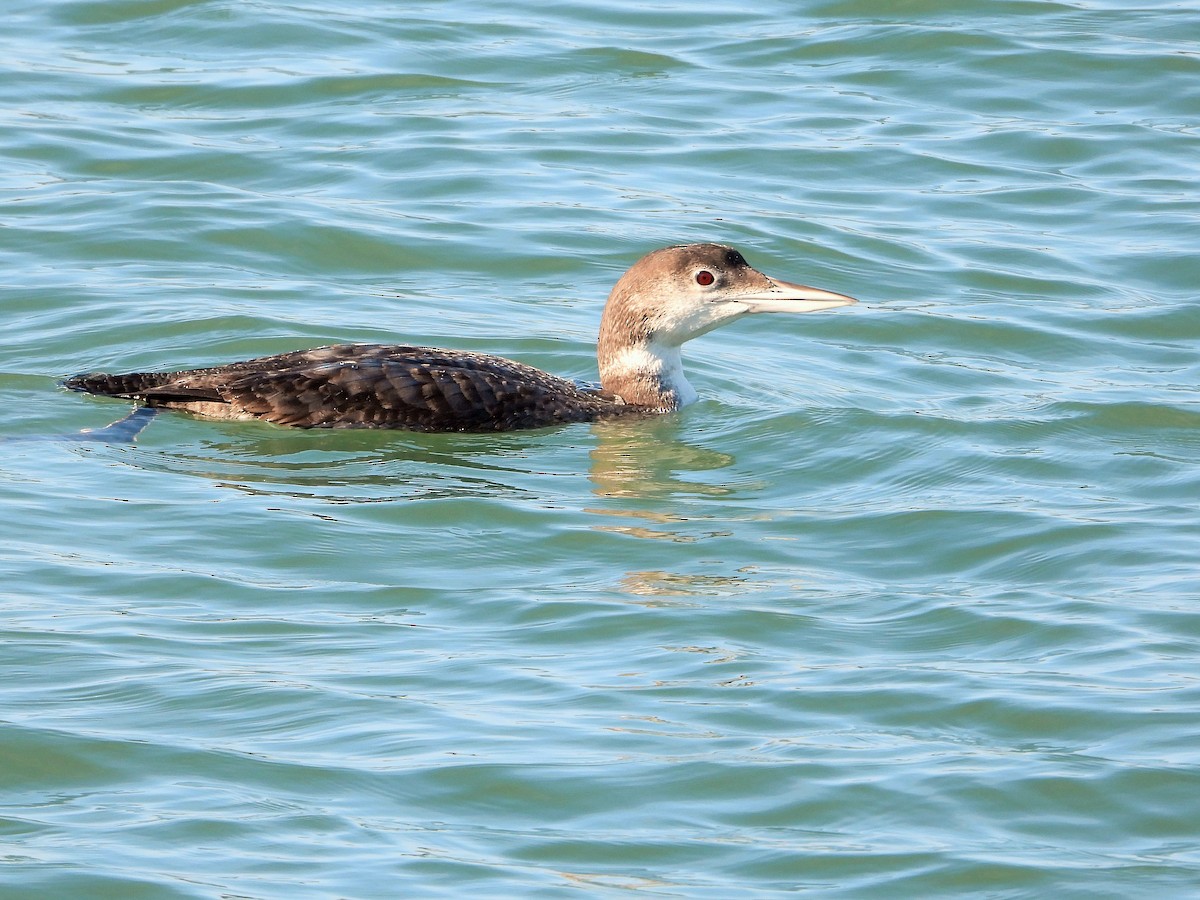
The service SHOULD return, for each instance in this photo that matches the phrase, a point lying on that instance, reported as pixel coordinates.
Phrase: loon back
(368, 386)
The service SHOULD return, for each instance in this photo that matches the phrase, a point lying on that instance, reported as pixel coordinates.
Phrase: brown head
(673, 295)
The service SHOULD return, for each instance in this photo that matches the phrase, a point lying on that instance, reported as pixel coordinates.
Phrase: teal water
(906, 606)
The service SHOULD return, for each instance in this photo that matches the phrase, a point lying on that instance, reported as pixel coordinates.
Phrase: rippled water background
(906, 606)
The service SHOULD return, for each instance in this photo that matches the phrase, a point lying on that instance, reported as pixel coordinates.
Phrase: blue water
(905, 606)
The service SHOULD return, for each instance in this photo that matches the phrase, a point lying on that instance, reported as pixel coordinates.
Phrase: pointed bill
(785, 297)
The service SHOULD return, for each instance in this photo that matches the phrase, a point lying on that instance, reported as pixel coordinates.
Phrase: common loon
(669, 296)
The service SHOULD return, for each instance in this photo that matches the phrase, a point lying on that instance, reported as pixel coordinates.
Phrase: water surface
(904, 607)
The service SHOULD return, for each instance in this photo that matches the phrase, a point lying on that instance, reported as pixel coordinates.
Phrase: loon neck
(638, 347)
(645, 373)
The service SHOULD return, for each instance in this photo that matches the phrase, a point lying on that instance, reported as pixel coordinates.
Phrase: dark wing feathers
(370, 386)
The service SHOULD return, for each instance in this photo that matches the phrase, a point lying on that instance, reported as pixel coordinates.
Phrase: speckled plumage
(369, 386)
(666, 298)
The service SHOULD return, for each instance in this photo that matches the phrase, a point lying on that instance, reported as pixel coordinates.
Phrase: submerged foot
(122, 431)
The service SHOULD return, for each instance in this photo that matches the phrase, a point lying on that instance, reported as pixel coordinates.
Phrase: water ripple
(903, 607)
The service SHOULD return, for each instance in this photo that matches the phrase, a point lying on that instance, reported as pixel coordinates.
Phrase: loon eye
(705, 277)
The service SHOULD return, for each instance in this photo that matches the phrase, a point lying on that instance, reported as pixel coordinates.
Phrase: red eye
(704, 277)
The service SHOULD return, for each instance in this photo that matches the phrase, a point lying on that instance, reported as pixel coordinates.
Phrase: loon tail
(133, 384)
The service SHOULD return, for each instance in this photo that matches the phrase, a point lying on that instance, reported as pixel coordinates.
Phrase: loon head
(673, 295)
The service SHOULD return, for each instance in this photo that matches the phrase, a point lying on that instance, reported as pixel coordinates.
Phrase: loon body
(668, 297)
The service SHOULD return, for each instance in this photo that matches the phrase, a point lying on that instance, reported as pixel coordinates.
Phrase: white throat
(653, 363)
